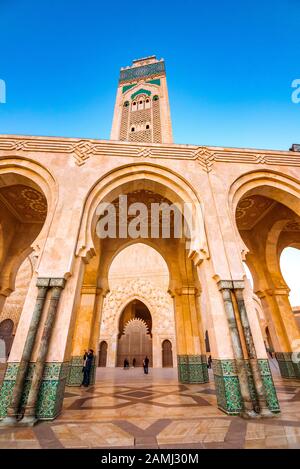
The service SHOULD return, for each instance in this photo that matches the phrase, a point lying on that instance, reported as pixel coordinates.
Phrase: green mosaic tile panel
(155, 81)
(270, 390)
(228, 392)
(232, 395)
(75, 374)
(288, 369)
(5, 396)
(51, 392)
(192, 369)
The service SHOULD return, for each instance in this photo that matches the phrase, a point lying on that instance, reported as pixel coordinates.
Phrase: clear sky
(289, 265)
(230, 65)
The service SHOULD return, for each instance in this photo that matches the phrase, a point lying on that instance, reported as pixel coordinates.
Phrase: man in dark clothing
(146, 365)
(87, 368)
(209, 362)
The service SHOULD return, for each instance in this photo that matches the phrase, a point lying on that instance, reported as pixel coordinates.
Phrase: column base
(289, 369)
(51, 393)
(228, 388)
(227, 384)
(192, 369)
(8, 422)
(28, 421)
(269, 387)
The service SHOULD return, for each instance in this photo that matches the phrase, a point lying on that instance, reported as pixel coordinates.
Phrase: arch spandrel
(274, 185)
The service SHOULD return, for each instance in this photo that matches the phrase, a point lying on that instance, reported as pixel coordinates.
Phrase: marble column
(56, 285)
(225, 287)
(256, 373)
(13, 408)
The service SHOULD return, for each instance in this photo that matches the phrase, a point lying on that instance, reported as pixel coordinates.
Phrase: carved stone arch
(272, 184)
(23, 171)
(120, 245)
(154, 177)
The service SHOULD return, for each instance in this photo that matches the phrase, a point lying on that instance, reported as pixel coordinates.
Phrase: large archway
(135, 335)
(138, 281)
(267, 217)
(25, 201)
(145, 184)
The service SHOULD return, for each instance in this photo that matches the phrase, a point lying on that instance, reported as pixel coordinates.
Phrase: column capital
(90, 290)
(238, 284)
(225, 284)
(43, 282)
(58, 282)
(186, 291)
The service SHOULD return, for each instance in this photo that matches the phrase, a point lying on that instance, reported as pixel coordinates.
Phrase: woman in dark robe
(87, 368)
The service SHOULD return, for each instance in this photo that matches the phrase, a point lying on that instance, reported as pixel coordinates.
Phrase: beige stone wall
(75, 175)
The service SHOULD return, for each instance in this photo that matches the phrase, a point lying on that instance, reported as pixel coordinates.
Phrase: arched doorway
(6, 334)
(167, 355)
(139, 281)
(102, 354)
(135, 338)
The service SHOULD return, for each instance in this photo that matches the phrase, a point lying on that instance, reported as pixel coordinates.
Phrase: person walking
(87, 368)
(146, 365)
(126, 364)
(133, 362)
(209, 361)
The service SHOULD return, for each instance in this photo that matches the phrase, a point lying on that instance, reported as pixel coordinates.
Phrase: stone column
(225, 288)
(56, 285)
(13, 408)
(284, 332)
(256, 372)
(192, 365)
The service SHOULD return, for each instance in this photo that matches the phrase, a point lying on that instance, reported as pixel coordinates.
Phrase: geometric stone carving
(158, 300)
(160, 305)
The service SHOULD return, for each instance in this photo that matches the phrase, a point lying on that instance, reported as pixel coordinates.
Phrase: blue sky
(230, 66)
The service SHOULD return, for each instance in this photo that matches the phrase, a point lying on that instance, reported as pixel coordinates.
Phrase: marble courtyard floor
(127, 409)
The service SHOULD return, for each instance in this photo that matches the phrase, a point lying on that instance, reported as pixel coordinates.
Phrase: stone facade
(243, 206)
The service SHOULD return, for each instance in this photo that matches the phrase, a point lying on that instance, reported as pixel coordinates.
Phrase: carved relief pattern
(251, 209)
(159, 301)
(81, 150)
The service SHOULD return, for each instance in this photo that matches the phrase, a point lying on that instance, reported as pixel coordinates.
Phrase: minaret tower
(142, 111)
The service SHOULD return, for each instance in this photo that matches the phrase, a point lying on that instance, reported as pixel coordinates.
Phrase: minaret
(142, 111)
